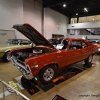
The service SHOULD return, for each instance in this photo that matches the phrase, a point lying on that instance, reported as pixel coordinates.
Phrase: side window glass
(75, 45)
(63, 45)
(25, 42)
(15, 42)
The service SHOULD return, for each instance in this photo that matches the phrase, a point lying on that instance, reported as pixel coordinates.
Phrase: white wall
(84, 25)
(19, 12)
(11, 12)
(27, 11)
(51, 18)
(32, 14)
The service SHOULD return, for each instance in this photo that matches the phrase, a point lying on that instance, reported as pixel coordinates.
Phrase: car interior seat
(65, 43)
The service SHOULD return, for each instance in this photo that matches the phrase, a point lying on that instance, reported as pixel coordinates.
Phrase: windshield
(59, 43)
(55, 41)
(12, 41)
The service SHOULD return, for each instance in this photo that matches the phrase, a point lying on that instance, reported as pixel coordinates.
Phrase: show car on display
(11, 44)
(43, 60)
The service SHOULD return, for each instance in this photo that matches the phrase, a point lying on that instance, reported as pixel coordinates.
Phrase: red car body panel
(62, 58)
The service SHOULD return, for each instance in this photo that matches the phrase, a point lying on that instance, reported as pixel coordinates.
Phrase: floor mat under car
(69, 72)
(31, 88)
(57, 97)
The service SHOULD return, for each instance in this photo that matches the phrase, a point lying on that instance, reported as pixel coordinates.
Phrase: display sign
(57, 97)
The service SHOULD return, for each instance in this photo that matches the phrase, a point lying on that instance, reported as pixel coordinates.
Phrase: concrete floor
(83, 86)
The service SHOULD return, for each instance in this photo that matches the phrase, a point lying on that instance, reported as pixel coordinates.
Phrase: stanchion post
(4, 83)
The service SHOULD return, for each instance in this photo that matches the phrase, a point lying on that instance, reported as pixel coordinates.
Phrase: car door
(62, 53)
(74, 54)
(61, 58)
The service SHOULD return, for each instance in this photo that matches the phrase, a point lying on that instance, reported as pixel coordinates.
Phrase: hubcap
(48, 74)
(90, 58)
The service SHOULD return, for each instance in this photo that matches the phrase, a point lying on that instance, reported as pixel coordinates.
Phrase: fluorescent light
(64, 5)
(86, 9)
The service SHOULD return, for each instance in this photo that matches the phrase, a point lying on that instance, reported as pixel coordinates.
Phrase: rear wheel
(88, 61)
(47, 74)
(6, 57)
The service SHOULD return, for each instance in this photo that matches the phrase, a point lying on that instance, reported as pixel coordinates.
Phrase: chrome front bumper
(21, 67)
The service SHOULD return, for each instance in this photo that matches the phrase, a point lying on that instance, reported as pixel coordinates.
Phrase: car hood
(32, 34)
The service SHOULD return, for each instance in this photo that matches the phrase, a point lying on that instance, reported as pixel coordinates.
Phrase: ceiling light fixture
(64, 5)
(86, 9)
(76, 13)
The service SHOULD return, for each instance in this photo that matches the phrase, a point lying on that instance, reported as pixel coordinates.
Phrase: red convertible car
(44, 60)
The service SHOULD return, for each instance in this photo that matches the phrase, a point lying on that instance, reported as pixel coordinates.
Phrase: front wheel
(47, 74)
(6, 57)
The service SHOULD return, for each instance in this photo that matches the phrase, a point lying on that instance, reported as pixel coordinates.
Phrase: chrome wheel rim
(90, 58)
(8, 57)
(48, 74)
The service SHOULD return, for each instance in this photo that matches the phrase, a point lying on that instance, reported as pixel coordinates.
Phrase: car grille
(21, 62)
(20, 65)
